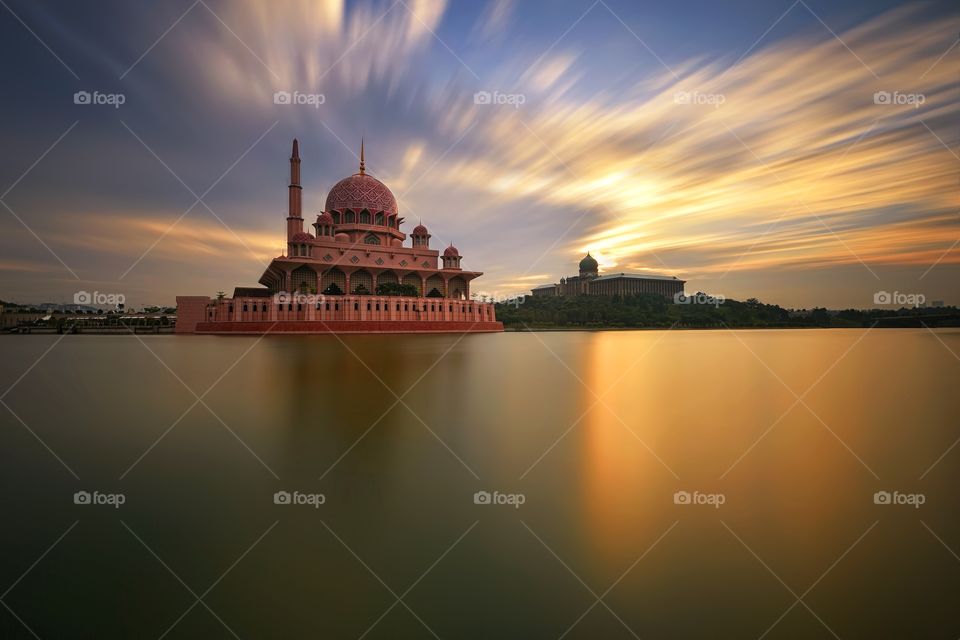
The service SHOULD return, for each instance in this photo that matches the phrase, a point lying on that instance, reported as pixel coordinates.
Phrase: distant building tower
(588, 267)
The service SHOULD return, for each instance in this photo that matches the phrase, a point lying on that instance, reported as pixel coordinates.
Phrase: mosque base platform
(345, 327)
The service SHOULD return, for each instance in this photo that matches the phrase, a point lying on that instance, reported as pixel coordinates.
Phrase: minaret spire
(363, 166)
(295, 193)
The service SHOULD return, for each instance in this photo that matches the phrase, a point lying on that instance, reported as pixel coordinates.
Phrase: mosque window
(371, 239)
(336, 218)
(356, 306)
(348, 217)
(364, 217)
(336, 306)
(368, 306)
(244, 307)
(379, 219)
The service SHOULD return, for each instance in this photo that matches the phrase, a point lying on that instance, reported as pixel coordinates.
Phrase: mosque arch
(387, 277)
(457, 288)
(303, 280)
(414, 280)
(435, 286)
(361, 282)
(333, 278)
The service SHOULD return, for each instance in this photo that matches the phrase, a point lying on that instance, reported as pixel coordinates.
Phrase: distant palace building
(590, 283)
(353, 274)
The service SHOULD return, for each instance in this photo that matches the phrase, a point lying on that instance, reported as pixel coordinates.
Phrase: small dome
(301, 236)
(419, 230)
(324, 218)
(342, 237)
(451, 252)
(588, 263)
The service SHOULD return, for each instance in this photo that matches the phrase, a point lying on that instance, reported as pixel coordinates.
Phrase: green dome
(588, 263)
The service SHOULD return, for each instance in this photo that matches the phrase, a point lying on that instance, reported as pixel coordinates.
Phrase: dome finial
(363, 167)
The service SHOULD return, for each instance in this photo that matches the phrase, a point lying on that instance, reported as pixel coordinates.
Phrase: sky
(805, 154)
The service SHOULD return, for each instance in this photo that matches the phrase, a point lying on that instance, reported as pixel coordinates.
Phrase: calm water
(597, 431)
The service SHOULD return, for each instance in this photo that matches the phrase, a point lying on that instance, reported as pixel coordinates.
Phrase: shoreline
(44, 331)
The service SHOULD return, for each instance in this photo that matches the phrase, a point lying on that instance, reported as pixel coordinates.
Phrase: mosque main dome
(361, 191)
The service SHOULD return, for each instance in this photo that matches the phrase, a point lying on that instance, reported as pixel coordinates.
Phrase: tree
(360, 289)
(333, 290)
(434, 293)
(396, 289)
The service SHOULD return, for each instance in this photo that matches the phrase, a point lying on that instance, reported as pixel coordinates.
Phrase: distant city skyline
(805, 154)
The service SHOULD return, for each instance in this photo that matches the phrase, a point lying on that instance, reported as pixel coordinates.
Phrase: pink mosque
(353, 274)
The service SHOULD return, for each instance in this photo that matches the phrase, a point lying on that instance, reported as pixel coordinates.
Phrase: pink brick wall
(348, 326)
(191, 310)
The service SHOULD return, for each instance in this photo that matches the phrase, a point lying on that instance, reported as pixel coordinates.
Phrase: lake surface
(587, 438)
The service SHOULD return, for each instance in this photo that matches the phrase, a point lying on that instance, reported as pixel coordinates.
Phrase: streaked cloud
(780, 162)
